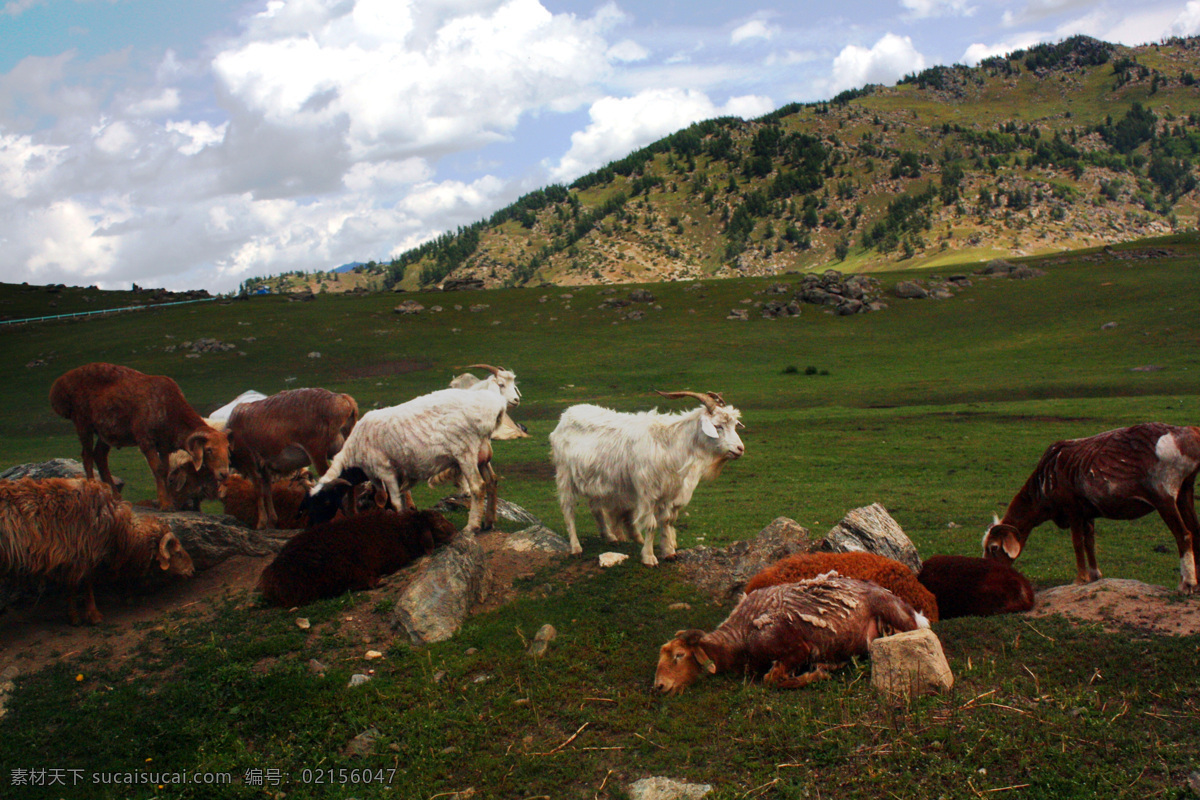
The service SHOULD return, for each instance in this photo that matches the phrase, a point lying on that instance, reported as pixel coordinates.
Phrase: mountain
(1058, 147)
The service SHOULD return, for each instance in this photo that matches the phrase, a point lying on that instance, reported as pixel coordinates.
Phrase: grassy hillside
(937, 409)
(1050, 149)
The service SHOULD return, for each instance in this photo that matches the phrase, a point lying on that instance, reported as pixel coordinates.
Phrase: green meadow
(936, 409)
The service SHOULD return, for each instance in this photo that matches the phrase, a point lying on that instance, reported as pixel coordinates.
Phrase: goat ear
(706, 663)
(164, 550)
(709, 429)
(195, 448)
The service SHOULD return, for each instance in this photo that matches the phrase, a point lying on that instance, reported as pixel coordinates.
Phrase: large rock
(910, 664)
(504, 509)
(537, 539)
(908, 290)
(211, 538)
(872, 530)
(724, 571)
(54, 468)
(434, 605)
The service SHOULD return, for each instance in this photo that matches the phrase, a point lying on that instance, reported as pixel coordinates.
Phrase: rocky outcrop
(872, 530)
(433, 606)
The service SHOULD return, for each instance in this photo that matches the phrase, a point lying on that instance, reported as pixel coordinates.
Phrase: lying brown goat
(818, 623)
(1120, 474)
(886, 572)
(350, 554)
(975, 587)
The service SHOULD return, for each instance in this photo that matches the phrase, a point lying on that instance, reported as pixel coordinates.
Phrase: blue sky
(196, 143)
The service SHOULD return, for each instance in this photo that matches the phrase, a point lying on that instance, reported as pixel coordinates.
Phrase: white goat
(502, 381)
(639, 470)
(414, 441)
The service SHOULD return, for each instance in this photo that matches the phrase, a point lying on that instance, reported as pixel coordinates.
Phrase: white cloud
(165, 102)
(1188, 21)
(24, 164)
(464, 83)
(922, 9)
(754, 29)
(192, 137)
(620, 125)
(627, 50)
(890, 59)
(365, 177)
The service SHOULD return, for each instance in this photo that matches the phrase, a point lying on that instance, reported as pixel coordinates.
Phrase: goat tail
(897, 615)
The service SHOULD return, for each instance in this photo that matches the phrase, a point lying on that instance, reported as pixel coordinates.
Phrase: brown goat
(975, 587)
(62, 529)
(240, 498)
(1120, 474)
(350, 554)
(286, 432)
(886, 572)
(115, 406)
(818, 623)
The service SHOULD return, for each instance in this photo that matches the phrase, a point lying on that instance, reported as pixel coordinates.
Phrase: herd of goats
(636, 472)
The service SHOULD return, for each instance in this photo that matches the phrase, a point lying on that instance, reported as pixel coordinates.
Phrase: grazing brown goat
(286, 432)
(818, 623)
(886, 572)
(975, 587)
(62, 529)
(350, 554)
(240, 498)
(1120, 474)
(115, 406)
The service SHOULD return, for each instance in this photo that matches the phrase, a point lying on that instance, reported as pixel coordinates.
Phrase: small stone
(541, 640)
(680, 607)
(303, 624)
(363, 744)
(358, 679)
(612, 559)
(373, 654)
(317, 666)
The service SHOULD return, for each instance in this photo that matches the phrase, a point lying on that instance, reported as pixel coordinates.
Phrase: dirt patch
(382, 369)
(1117, 603)
(34, 636)
(40, 634)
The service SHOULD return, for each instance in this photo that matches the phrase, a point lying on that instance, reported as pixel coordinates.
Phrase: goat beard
(713, 470)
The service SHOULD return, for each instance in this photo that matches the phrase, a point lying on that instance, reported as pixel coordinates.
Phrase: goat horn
(488, 367)
(711, 400)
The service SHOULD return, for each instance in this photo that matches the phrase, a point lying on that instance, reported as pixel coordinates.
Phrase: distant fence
(105, 311)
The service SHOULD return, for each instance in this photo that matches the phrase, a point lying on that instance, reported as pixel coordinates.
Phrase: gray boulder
(909, 290)
(537, 539)
(872, 530)
(54, 468)
(433, 607)
(660, 788)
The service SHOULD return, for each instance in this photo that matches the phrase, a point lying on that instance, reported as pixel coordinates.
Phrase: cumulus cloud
(1188, 21)
(622, 124)
(890, 59)
(754, 29)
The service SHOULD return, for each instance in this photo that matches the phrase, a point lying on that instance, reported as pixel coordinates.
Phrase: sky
(198, 143)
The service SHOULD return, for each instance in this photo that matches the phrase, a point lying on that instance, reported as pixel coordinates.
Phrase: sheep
(401, 445)
(350, 554)
(1119, 474)
(240, 498)
(818, 623)
(897, 578)
(62, 529)
(639, 470)
(979, 587)
(286, 432)
(115, 406)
